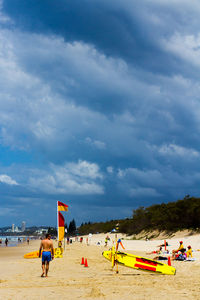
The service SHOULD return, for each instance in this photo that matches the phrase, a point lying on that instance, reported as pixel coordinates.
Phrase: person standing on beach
(6, 242)
(47, 254)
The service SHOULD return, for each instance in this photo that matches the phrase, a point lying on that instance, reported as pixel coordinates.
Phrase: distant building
(23, 226)
(41, 231)
(13, 227)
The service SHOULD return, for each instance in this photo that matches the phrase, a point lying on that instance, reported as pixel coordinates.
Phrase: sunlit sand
(67, 279)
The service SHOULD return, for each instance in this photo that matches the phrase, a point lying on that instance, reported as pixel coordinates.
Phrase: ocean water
(13, 241)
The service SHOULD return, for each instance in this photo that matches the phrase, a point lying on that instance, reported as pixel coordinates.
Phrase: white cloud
(100, 145)
(110, 169)
(55, 94)
(141, 175)
(144, 192)
(97, 144)
(83, 169)
(39, 108)
(72, 178)
(173, 149)
(140, 183)
(185, 46)
(121, 173)
(32, 111)
(7, 179)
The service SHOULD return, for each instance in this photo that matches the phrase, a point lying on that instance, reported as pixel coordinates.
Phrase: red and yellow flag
(62, 206)
(61, 226)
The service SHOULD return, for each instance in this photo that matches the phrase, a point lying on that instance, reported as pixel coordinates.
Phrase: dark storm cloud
(125, 29)
(102, 97)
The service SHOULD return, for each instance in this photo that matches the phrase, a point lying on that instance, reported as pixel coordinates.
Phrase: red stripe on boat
(146, 261)
(145, 267)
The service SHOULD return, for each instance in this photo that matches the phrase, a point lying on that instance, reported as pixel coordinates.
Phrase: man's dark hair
(47, 235)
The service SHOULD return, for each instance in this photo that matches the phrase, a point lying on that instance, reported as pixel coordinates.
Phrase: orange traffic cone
(86, 264)
(82, 262)
(169, 261)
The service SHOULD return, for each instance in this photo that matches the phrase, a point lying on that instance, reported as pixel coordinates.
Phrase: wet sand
(68, 279)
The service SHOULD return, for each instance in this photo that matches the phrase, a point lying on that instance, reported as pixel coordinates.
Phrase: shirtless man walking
(47, 254)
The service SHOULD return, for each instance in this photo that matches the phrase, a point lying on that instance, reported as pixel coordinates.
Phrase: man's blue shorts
(46, 256)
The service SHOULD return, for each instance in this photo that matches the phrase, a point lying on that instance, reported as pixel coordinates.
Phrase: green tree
(72, 227)
(52, 231)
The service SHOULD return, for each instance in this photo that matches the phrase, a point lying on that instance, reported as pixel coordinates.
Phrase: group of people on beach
(47, 252)
(181, 253)
(6, 242)
(19, 241)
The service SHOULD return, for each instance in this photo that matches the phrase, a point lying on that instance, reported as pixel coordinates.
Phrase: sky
(99, 107)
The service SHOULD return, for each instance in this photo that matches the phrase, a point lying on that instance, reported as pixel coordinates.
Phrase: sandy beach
(68, 279)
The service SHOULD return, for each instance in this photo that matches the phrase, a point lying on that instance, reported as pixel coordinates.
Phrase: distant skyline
(99, 107)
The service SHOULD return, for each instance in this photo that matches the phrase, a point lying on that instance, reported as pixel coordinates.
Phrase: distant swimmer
(47, 254)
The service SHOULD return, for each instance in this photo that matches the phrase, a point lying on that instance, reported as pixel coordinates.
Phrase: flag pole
(64, 237)
(57, 223)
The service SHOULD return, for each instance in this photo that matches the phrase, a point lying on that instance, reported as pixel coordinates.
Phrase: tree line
(172, 216)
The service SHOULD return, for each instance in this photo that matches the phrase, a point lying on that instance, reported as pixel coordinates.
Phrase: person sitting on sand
(182, 256)
(189, 252)
(157, 251)
(159, 257)
(163, 245)
(47, 254)
(177, 250)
